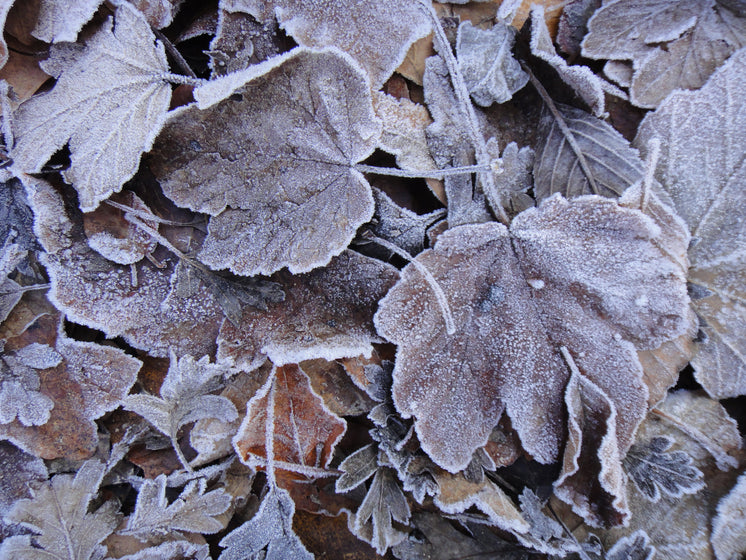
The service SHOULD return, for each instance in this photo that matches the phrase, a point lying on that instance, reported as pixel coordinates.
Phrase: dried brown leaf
(20, 471)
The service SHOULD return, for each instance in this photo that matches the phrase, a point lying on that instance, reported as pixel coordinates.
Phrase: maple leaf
(58, 512)
(486, 61)
(281, 184)
(271, 528)
(184, 398)
(706, 191)
(653, 470)
(327, 313)
(673, 45)
(529, 291)
(108, 103)
(193, 511)
(377, 35)
(287, 414)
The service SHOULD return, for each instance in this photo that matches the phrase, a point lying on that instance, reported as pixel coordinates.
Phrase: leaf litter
(510, 387)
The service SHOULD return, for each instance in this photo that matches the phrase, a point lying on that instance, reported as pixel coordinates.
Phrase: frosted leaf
(56, 405)
(184, 397)
(584, 82)
(58, 512)
(592, 481)
(16, 223)
(403, 132)
(573, 25)
(612, 165)
(270, 153)
(326, 313)
(20, 471)
(543, 527)
(357, 468)
(729, 526)
(95, 292)
(194, 511)
(109, 104)
(111, 235)
(588, 261)
(172, 550)
(632, 547)
(377, 35)
(706, 190)
(654, 470)
(512, 184)
(159, 13)
(59, 21)
(456, 495)
(268, 535)
(673, 45)
(10, 290)
(383, 504)
(340, 394)
(619, 71)
(304, 431)
(5, 7)
(486, 61)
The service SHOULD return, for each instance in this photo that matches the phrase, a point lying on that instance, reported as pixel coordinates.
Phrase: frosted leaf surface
(357, 468)
(270, 154)
(706, 188)
(60, 21)
(612, 164)
(16, 221)
(654, 470)
(401, 226)
(486, 61)
(384, 503)
(172, 550)
(108, 103)
(512, 184)
(20, 471)
(673, 45)
(19, 395)
(632, 547)
(729, 526)
(5, 7)
(159, 13)
(578, 256)
(303, 429)
(377, 35)
(79, 383)
(327, 313)
(589, 87)
(270, 530)
(194, 511)
(59, 512)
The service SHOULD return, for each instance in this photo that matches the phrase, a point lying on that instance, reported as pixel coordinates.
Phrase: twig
(429, 174)
(174, 52)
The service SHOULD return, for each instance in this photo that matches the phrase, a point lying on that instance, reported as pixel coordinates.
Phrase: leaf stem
(440, 296)
(269, 432)
(182, 80)
(429, 174)
(174, 52)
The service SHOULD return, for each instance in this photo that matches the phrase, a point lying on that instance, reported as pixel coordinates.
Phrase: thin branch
(174, 52)
(269, 429)
(429, 174)
(563, 127)
(182, 80)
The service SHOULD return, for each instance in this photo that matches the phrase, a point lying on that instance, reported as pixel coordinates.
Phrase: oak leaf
(584, 273)
(108, 103)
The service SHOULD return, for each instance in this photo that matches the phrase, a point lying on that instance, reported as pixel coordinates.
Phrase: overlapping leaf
(108, 103)
(585, 274)
(61, 21)
(729, 526)
(702, 169)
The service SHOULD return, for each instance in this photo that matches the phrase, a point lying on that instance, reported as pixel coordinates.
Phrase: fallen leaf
(281, 185)
(705, 188)
(632, 547)
(5, 7)
(486, 61)
(158, 13)
(383, 504)
(108, 104)
(288, 413)
(271, 528)
(24, 76)
(330, 381)
(20, 472)
(171, 550)
(59, 21)
(573, 25)
(377, 36)
(327, 313)
(672, 45)
(729, 526)
(357, 468)
(58, 512)
(534, 283)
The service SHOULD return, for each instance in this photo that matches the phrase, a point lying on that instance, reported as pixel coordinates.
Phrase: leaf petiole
(494, 166)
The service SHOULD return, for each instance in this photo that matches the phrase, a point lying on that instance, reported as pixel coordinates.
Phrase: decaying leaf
(608, 166)
(706, 187)
(529, 291)
(58, 512)
(632, 547)
(357, 468)
(159, 13)
(377, 35)
(674, 45)
(16, 223)
(20, 470)
(587, 85)
(327, 313)
(270, 153)
(270, 530)
(108, 104)
(513, 181)
(287, 412)
(193, 511)
(64, 385)
(486, 61)
(59, 21)
(184, 398)
(729, 526)
(384, 503)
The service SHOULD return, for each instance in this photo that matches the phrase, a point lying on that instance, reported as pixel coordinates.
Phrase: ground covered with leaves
(296, 278)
